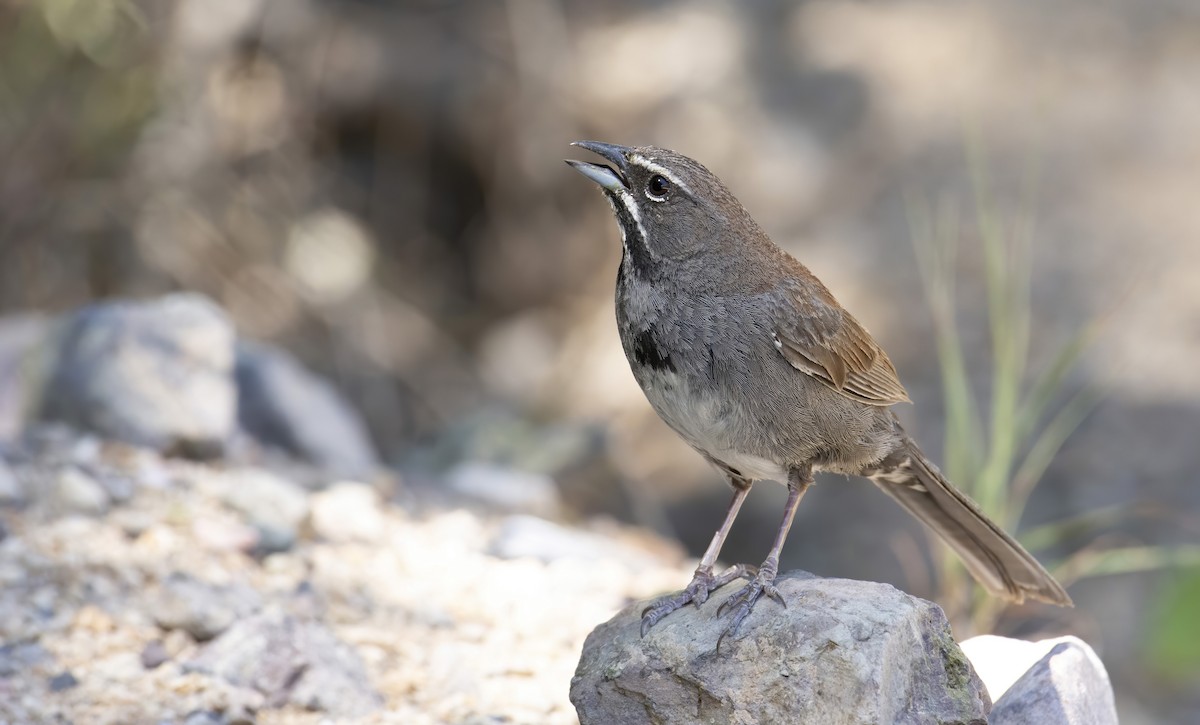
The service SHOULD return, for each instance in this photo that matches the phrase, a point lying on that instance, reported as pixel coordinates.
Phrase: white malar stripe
(649, 165)
(627, 201)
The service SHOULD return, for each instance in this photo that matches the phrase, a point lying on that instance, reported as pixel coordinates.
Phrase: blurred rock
(19, 657)
(282, 404)
(76, 492)
(154, 654)
(535, 538)
(291, 662)
(156, 373)
(843, 651)
(1051, 682)
(347, 512)
(504, 489)
(201, 609)
(274, 506)
(217, 534)
(63, 681)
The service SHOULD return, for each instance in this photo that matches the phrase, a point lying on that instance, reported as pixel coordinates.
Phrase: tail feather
(993, 557)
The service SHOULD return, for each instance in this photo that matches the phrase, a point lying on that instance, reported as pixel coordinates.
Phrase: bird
(748, 357)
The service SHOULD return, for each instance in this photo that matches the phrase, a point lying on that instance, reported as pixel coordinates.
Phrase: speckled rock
(156, 373)
(842, 651)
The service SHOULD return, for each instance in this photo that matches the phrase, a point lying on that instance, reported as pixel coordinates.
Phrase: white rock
(347, 512)
(1057, 681)
(505, 489)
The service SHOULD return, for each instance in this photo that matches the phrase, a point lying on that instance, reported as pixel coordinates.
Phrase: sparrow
(745, 354)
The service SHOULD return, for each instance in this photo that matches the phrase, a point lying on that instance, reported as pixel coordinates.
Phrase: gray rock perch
(843, 651)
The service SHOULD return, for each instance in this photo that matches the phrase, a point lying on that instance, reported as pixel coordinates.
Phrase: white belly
(706, 422)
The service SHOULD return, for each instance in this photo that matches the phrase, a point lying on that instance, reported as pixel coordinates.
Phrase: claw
(697, 592)
(743, 600)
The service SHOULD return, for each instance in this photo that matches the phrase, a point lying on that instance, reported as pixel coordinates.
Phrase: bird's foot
(703, 584)
(745, 598)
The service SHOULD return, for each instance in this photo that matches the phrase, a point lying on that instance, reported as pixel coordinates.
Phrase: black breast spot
(647, 352)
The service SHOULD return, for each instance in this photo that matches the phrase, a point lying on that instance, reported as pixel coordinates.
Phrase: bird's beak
(612, 179)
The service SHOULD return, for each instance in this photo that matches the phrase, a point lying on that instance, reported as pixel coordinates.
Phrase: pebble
(201, 609)
(154, 654)
(274, 506)
(347, 512)
(77, 492)
(63, 681)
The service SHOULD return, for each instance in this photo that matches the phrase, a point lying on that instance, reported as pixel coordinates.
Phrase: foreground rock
(843, 651)
(1052, 682)
(157, 374)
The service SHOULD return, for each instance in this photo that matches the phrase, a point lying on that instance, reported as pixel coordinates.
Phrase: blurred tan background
(379, 188)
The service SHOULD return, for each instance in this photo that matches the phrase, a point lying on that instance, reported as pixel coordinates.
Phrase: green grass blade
(1124, 560)
(1072, 527)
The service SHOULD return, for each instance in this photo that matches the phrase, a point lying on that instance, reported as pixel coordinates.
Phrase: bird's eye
(658, 187)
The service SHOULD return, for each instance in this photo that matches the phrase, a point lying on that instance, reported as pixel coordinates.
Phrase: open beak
(608, 177)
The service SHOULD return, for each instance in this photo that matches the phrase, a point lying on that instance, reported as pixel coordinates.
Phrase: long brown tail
(993, 557)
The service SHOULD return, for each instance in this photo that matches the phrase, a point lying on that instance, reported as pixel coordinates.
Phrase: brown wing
(818, 337)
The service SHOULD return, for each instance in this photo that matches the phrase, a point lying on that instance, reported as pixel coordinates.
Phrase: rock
(154, 654)
(272, 505)
(505, 489)
(291, 662)
(201, 609)
(19, 657)
(843, 651)
(157, 374)
(77, 492)
(63, 681)
(223, 535)
(205, 717)
(284, 405)
(523, 536)
(1051, 682)
(347, 512)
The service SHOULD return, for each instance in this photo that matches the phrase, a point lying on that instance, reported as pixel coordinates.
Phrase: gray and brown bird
(748, 357)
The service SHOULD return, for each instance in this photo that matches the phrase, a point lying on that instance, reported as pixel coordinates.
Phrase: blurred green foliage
(1173, 647)
(999, 450)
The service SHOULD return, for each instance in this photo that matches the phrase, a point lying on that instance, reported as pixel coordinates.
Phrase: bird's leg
(743, 601)
(704, 581)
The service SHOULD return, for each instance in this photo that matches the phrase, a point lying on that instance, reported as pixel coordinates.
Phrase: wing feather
(820, 338)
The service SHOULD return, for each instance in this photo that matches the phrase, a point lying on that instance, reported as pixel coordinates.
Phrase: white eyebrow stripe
(649, 165)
